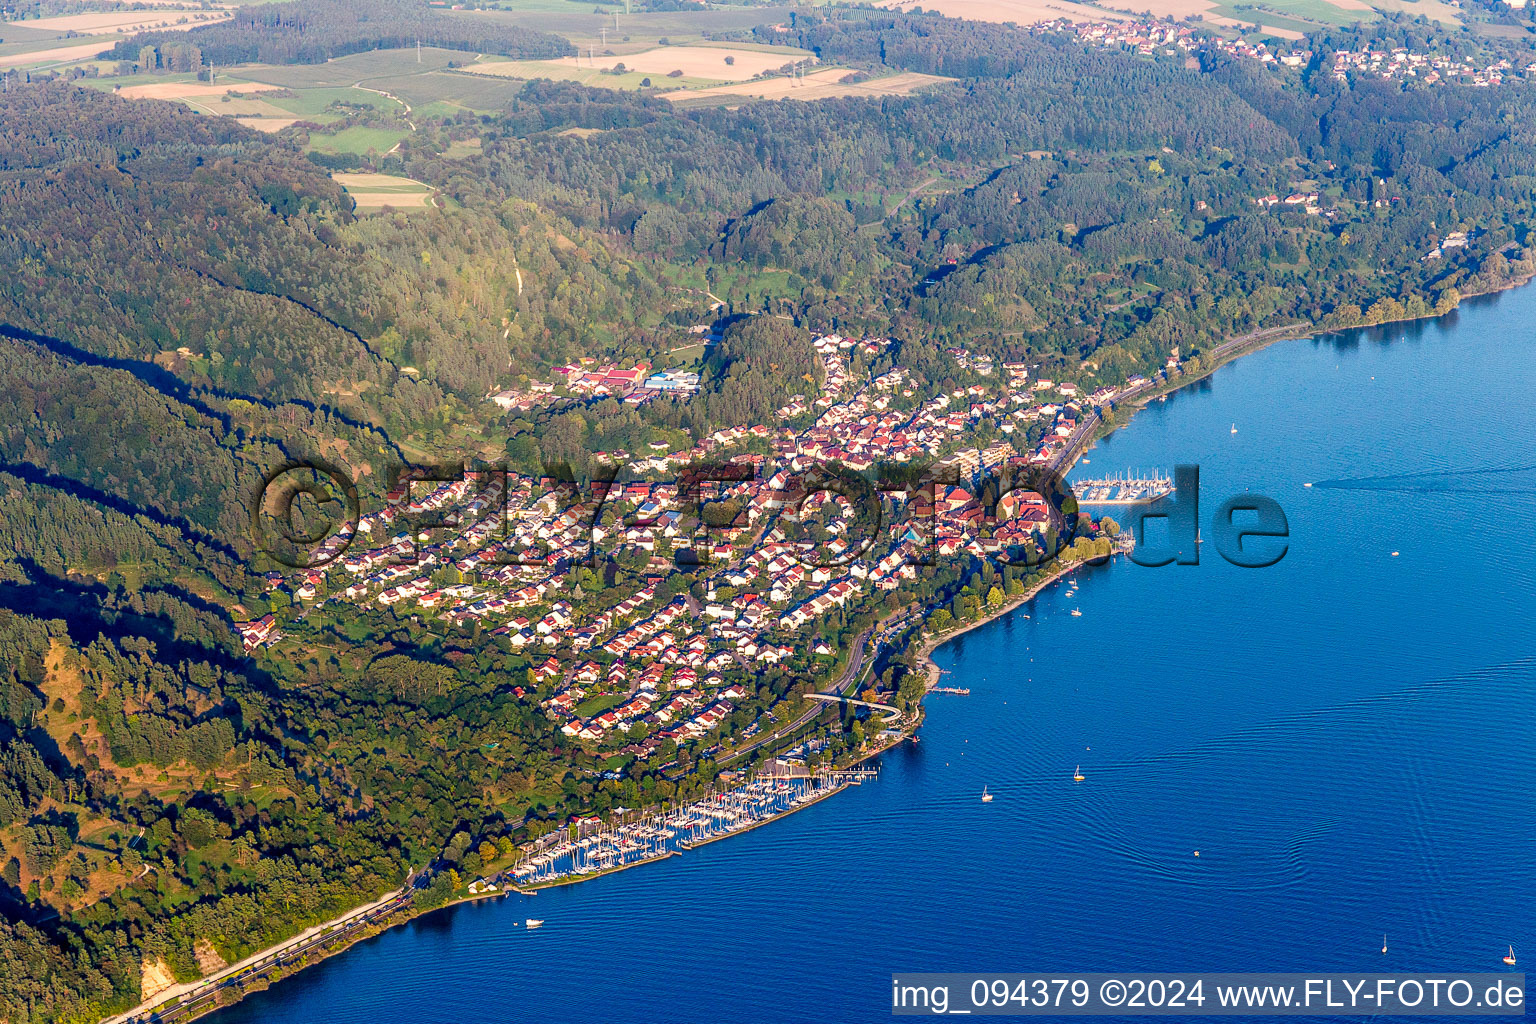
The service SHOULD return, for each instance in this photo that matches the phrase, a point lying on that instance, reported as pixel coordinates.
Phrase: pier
(1125, 489)
(598, 849)
(959, 691)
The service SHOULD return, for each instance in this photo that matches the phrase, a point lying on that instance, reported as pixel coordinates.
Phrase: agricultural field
(187, 90)
(1021, 12)
(26, 56)
(358, 67)
(71, 38)
(701, 66)
(622, 33)
(444, 93)
(1286, 18)
(568, 71)
(817, 85)
(376, 191)
(387, 81)
(720, 63)
(1289, 18)
(128, 22)
(268, 114)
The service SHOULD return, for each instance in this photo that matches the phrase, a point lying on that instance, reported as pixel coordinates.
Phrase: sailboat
(1383, 943)
(1511, 958)
(1077, 774)
(986, 797)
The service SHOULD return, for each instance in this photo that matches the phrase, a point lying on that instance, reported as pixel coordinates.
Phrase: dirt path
(911, 194)
(392, 96)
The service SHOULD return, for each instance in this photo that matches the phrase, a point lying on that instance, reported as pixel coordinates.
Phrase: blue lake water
(1347, 737)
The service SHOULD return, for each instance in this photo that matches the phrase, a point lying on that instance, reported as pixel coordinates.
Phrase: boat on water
(1077, 774)
(533, 922)
(1383, 943)
(986, 797)
(1234, 428)
(1510, 959)
(1077, 613)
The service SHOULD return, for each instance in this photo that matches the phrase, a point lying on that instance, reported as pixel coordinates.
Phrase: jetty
(959, 691)
(1124, 489)
(563, 856)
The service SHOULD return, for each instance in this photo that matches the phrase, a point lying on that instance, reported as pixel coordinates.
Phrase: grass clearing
(816, 86)
(312, 104)
(358, 139)
(462, 148)
(602, 702)
(268, 124)
(376, 191)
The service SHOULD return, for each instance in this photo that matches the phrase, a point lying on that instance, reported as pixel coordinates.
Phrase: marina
(1127, 489)
(598, 848)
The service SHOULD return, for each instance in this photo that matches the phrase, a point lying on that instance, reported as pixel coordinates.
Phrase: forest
(314, 31)
(189, 303)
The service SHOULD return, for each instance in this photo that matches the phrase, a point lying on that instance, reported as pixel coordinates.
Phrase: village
(1150, 37)
(659, 660)
(1400, 64)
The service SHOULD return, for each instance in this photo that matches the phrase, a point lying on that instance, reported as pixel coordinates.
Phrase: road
(206, 991)
(850, 673)
(1086, 429)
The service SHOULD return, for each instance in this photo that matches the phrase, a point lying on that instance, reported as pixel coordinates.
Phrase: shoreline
(156, 1007)
(1241, 346)
(926, 649)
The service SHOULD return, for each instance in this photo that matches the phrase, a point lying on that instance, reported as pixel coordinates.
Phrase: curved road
(851, 672)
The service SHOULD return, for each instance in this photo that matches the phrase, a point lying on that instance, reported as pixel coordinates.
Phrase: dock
(598, 848)
(959, 691)
(1125, 489)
